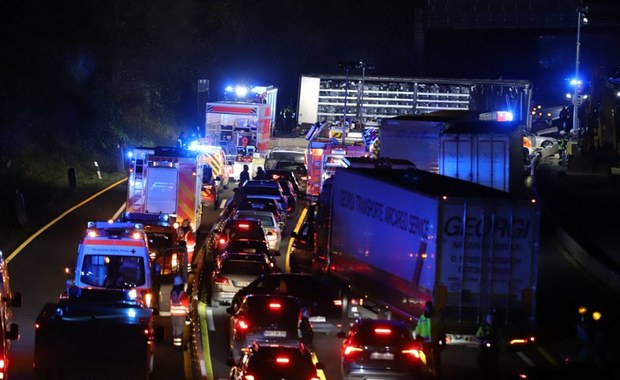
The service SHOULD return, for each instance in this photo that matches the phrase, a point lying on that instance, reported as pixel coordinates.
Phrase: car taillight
(338, 302)
(382, 331)
(242, 325)
(282, 360)
(244, 225)
(221, 280)
(2, 364)
(350, 350)
(275, 306)
(222, 241)
(248, 377)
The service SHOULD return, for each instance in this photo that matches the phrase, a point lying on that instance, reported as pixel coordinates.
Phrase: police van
(114, 255)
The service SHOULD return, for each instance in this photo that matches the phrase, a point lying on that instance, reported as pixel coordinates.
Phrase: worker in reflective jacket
(430, 330)
(179, 309)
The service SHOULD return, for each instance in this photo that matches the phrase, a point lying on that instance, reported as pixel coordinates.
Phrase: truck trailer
(398, 238)
(94, 334)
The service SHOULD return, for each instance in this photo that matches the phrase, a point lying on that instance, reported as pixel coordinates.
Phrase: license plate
(275, 333)
(317, 318)
(382, 356)
(242, 284)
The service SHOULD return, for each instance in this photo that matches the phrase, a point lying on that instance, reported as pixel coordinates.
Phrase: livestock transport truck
(398, 238)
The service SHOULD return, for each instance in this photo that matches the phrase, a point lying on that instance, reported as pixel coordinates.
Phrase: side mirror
(13, 332)
(293, 234)
(320, 365)
(341, 334)
(231, 362)
(230, 310)
(16, 300)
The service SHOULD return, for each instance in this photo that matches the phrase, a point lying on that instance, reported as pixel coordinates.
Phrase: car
(317, 294)
(262, 189)
(300, 171)
(265, 319)
(249, 246)
(289, 154)
(291, 195)
(233, 271)
(269, 361)
(270, 225)
(534, 141)
(262, 204)
(276, 174)
(235, 229)
(381, 348)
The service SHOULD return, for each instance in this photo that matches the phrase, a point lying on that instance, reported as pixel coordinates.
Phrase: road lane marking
(210, 321)
(48, 225)
(525, 359)
(302, 215)
(206, 367)
(547, 355)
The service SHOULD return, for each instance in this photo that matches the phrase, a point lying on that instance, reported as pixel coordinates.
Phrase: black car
(275, 362)
(262, 204)
(266, 319)
(236, 229)
(318, 295)
(380, 348)
(299, 170)
(277, 174)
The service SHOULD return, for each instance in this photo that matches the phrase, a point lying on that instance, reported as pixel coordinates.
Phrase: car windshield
(267, 220)
(390, 335)
(263, 310)
(113, 271)
(288, 156)
(278, 363)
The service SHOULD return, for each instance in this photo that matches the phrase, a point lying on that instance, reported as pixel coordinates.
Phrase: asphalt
(583, 199)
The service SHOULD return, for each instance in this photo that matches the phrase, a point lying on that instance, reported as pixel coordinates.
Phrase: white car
(542, 139)
(270, 225)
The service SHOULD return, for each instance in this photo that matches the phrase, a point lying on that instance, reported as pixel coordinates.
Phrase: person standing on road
(244, 176)
(430, 330)
(179, 309)
(260, 174)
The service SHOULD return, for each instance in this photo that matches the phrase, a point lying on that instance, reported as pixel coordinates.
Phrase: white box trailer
(402, 237)
(460, 145)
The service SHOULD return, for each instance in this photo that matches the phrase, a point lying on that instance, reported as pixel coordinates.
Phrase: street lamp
(360, 108)
(346, 66)
(581, 20)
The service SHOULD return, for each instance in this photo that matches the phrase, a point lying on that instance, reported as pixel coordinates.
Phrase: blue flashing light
(131, 313)
(241, 91)
(576, 82)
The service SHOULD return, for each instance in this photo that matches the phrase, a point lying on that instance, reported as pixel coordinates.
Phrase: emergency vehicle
(216, 170)
(167, 251)
(113, 255)
(167, 180)
(326, 153)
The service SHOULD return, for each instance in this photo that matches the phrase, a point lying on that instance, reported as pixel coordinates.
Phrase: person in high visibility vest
(431, 331)
(185, 233)
(179, 309)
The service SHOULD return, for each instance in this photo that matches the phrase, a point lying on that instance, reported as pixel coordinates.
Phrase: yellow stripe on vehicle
(302, 215)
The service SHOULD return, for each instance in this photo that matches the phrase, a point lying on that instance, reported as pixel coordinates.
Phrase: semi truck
(481, 147)
(94, 334)
(400, 237)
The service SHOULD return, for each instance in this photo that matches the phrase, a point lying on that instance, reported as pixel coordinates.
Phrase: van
(289, 154)
(114, 255)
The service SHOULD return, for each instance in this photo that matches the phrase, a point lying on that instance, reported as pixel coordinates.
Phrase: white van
(288, 154)
(114, 255)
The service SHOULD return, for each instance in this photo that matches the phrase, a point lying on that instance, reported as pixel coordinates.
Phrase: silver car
(270, 225)
(232, 272)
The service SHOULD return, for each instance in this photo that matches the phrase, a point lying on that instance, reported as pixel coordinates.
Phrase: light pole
(581, 19)
(360, 107)
(346, 66)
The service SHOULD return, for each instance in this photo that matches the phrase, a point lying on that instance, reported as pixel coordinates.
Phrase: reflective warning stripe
(127, 243)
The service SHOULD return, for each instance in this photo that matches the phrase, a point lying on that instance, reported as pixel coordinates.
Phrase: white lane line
(210, 322)
(525, 359)
(223, 203)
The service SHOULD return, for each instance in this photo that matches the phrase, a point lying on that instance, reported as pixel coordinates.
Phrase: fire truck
(167, 180)
(326, 153)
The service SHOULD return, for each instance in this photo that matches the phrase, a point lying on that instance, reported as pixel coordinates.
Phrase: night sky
(127, 64)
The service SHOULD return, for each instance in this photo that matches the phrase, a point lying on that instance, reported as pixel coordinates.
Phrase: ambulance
(114, 255)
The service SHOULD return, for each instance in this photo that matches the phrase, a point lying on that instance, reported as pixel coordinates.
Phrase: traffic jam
(348, 254)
